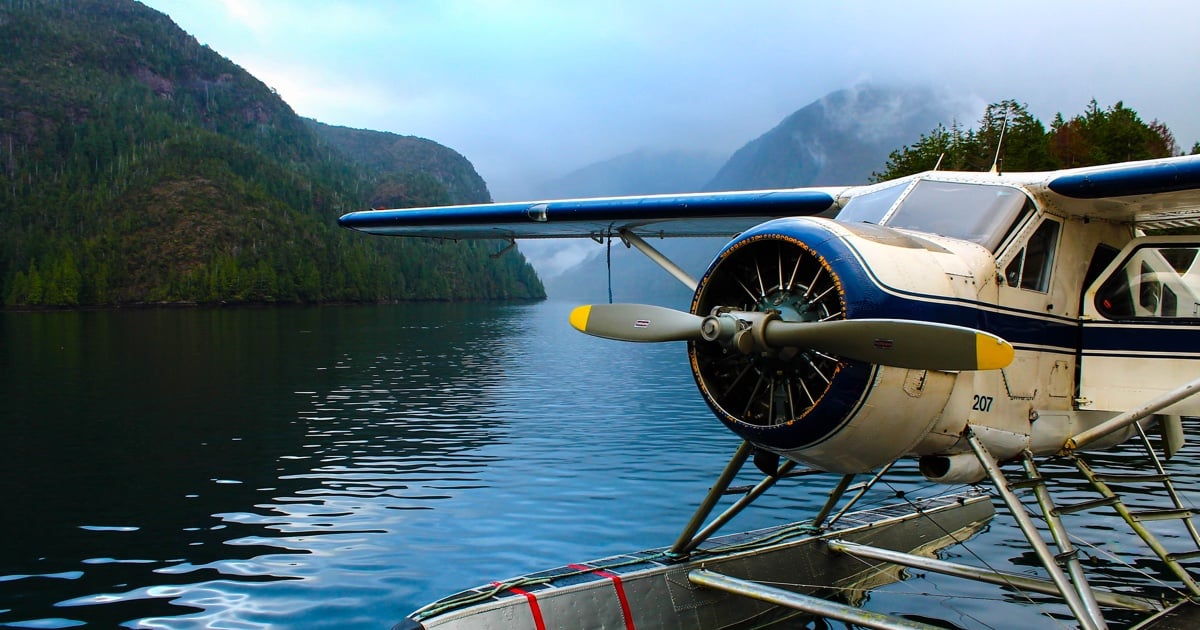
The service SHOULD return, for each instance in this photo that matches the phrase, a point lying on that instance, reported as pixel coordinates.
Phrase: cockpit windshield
(979, 213)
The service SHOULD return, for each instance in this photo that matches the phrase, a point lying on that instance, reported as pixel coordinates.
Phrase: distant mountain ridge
(641, 172)
(838, 139)
(138, 166)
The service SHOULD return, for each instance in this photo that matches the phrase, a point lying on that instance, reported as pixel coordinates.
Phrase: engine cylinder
(779, 400)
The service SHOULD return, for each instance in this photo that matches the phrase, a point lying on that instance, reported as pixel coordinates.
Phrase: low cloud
(536, 89)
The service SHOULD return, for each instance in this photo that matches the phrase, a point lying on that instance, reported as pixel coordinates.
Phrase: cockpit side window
(979, 213)
(871, 207)
(1030, 269)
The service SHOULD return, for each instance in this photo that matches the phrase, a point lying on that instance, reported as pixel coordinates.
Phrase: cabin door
(1141, 326)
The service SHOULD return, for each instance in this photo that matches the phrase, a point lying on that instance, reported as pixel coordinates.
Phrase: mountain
(138, 166)
(383, 152)
(642, 172)
(838, 139)
(634, 277)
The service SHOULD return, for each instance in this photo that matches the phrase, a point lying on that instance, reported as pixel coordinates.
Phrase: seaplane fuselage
(972, 250)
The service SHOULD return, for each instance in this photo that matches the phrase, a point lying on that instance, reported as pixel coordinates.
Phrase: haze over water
(341, 466)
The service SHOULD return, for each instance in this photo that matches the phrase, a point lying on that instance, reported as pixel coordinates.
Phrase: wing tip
(352, 220)
(1130, 178)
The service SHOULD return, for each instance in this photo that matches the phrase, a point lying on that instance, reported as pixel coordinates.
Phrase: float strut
(684, 544)
(735, 509)
(870, 483)
(1040, 549)
(1011, 580)
(834, 497)
(799, 601)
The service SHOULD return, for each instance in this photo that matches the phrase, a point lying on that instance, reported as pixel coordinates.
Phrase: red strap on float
(533, 605)
(616, 580)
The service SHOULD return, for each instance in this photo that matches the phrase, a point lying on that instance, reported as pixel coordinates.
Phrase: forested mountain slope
(387, 154)
(137, 165)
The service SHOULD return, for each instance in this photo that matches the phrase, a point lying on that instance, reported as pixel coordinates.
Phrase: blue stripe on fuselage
(1025, 330)
(1167, 340)
(868, 297)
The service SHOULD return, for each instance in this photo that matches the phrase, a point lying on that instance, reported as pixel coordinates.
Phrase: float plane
(983, 323)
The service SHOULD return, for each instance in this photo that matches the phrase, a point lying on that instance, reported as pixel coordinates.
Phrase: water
(341, 466)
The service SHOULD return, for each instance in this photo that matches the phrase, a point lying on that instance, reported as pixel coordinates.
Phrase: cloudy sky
(531, 90)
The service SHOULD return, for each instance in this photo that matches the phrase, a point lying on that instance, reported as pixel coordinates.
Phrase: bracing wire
(608, 257)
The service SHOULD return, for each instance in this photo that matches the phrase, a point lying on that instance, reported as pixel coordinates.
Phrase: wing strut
(1133, 415)
(662, 261)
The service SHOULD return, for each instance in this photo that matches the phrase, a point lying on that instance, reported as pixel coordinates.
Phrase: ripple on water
(392, 456)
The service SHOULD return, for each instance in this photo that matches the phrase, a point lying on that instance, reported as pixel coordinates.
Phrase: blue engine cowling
(825, 411)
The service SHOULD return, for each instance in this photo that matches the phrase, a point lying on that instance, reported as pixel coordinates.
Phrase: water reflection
(146, 452)
(340, 467)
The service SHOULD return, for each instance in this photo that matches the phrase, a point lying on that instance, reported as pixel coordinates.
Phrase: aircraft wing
(700, 214)
(1151, 193)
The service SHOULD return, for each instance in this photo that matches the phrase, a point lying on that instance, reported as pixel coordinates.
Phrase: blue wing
(703, 214)
(1152, 193)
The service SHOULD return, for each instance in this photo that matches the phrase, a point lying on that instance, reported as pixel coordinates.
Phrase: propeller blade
(896, 342)
(636, 322)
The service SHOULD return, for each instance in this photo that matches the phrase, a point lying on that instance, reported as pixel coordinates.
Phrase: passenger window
(1150, 288)
(1101, 258)
(1114, 300)
(1165, 281)
(1031, 267)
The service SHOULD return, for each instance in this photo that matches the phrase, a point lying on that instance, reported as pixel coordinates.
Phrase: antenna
(939, 162)
(1000, 142)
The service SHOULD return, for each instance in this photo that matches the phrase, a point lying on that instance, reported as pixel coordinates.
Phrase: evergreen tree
(139, 166)
(1098, 136)
(1117, 134)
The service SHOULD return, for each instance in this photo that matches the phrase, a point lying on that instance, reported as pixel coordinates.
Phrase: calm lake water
(341, 466)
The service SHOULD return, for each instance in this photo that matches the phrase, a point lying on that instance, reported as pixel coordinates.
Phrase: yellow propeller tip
(992, 353)
(579, 317)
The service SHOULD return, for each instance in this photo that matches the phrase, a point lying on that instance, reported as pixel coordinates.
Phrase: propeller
(893, 342)
(636, 322)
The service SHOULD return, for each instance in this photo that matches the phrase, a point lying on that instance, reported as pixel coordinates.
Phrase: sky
(529, 91)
